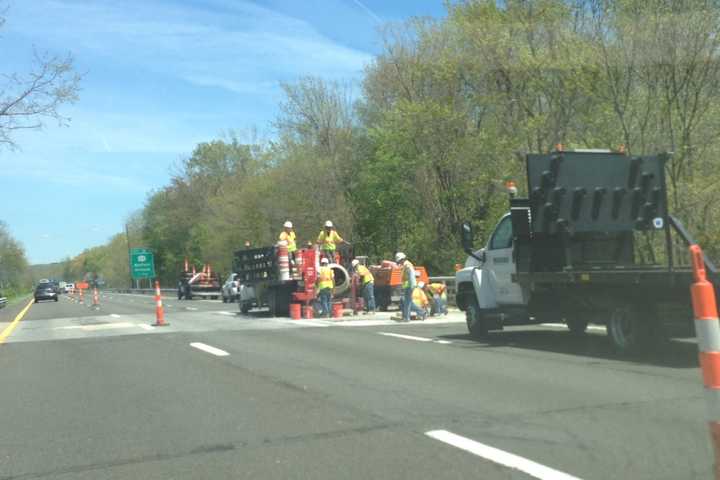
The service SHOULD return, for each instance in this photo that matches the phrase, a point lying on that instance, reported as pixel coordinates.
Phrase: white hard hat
(324, 260)
(355, 262)
(328, 224)
(287, 224)
(421, 284)
(400, 256)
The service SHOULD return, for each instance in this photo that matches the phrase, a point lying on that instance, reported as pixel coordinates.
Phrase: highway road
(105, 395)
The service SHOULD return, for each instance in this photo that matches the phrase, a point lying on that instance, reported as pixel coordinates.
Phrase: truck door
(499, 259)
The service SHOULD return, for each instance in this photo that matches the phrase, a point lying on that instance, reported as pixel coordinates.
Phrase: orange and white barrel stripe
(159, 312)
(707, 330)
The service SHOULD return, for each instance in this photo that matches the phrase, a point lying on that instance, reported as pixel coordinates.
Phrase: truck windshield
(502, 238)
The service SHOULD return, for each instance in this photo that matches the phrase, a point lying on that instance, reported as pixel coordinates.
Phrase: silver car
(230, 289)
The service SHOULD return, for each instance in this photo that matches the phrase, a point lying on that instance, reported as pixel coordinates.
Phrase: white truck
(592, 243)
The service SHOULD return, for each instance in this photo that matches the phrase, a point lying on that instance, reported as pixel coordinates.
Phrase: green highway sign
(142, 263)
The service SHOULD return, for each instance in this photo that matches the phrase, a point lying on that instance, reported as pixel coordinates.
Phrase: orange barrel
(308, 312)
(295, 311)
(283, 261)
(337, 310)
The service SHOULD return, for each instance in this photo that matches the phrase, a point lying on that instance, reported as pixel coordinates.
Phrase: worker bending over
(328, 240)
(325, 286)
(368, 285)
(420, 301)
(438, 295)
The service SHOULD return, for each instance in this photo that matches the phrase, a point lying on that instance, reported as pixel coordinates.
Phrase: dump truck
(593, 242)
(388, 283)
(203, 284)
(267, 279)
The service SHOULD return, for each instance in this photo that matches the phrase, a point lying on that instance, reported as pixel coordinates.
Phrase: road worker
(325, 286)
(247, 244)
(408, 284)
(438, 295)
(288, 236)
(328, 240)
(368, 285)
(420, 300)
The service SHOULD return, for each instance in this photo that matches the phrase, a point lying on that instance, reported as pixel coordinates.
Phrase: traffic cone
(159, 312)
(96, 299)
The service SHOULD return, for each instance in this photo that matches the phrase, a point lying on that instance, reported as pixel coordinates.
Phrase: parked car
(69, 287)
(230, 289)
(45, 291)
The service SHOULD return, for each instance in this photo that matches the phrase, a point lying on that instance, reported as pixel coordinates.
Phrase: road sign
(142, 263)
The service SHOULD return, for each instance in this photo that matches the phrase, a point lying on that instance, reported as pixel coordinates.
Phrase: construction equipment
(592, 243)
(388, 282)
(268, 280)
(203, 284)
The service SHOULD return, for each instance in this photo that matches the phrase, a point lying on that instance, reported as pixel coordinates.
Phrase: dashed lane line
(209, 349)
(417, 339)
(500, 457)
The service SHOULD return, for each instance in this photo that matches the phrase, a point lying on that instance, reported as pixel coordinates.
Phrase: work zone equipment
(203, 284)
(388, 282)
(707, 330)
(159, 312)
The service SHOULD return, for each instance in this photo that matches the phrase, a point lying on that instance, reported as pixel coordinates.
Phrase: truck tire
(475, 322)
(279, 301)
(224, 299)
(576, 324)
(629, 329)
(245, 307)
(180, 294)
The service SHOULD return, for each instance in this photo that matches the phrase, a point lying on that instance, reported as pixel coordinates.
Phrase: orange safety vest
(326, 279)
(437, 289)
(363, 271)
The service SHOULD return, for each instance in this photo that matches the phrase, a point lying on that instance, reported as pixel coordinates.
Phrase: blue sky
(160, 77)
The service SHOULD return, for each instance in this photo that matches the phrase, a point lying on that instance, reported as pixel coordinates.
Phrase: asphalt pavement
(103, 394)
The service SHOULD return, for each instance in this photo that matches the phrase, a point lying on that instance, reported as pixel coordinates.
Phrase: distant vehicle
(45, 291)
(69, 287)
(230, 289)
(203, 284)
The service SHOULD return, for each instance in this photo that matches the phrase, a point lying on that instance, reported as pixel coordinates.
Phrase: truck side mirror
(466, 235)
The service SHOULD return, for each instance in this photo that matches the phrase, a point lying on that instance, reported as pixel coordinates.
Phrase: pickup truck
(592, 243)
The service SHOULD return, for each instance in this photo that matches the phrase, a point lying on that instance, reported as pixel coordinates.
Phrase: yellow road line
(9, 329)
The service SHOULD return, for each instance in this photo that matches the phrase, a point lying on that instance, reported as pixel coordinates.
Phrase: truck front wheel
(576, 325)
(475, 321)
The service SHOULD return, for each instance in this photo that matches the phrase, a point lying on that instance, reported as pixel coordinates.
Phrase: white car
(230, 289)
(69, 287)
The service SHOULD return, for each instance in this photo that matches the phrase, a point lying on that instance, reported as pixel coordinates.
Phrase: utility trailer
(203, 284)
(388, 282)
(592, 243)
(267, 279)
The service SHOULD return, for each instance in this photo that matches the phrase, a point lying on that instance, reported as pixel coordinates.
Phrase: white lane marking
(115, 315)
(190, 308)
(230, 314)
(417, 339)
(209, 349)
(94, 328)
(500, 457)
(595, 328)
(145, 326)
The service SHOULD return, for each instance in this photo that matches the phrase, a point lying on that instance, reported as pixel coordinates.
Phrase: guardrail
(451, 287)
(3, 302)
(139, 291)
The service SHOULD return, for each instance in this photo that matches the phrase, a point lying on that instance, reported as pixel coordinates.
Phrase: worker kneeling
(325, 286)
(438, 297)
(368, 285)
(420, 301)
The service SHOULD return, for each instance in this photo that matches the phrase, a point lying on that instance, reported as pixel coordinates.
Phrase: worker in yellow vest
(408, 284)
(420, 300)
(438, 293)
(368, 285)
(328, 240)
(288, 236)
(325, 286)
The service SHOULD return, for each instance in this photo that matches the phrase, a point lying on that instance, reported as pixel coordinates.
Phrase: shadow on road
(672, 353)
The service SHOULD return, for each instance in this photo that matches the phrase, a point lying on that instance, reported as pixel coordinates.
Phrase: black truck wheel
(245, 307)
(180, 294)
(279, 301)
(629, 328)
(475, 322)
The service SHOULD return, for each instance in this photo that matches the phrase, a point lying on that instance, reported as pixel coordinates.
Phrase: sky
(160, 77)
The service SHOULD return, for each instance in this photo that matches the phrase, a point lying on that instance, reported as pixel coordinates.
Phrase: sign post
(142, 263)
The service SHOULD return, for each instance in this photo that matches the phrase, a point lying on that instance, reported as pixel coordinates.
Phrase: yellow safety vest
(328, 241)
(437, 289)
(290, 239)
(407, 266)
(326, 279)
(419, 298)
(363, 271)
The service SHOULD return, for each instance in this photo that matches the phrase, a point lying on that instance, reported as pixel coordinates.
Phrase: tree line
(441, 119)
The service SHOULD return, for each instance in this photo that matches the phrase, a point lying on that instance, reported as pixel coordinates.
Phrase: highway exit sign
(142, 263)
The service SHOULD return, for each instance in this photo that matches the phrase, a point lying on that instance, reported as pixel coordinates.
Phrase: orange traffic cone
(96, 300)
(159, 312)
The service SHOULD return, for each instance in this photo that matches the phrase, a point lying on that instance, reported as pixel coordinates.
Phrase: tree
(27, 100)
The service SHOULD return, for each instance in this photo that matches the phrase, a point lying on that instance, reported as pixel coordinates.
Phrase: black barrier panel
(596, 192)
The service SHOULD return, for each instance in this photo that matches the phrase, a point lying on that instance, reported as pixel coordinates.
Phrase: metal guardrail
(140, 291)
(451, 287)
(3, 302)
